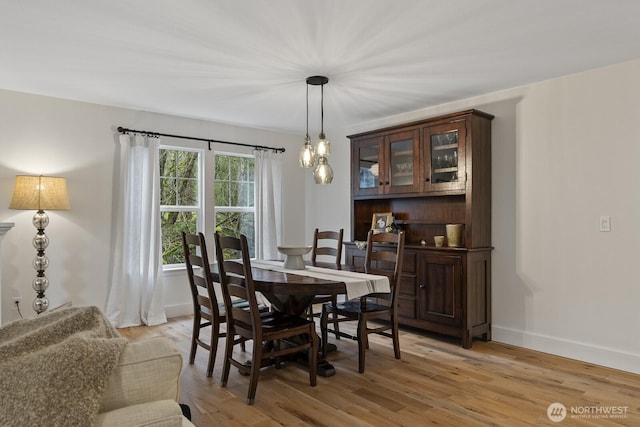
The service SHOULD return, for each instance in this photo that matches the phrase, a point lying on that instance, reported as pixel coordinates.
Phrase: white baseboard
(178, 310)
(585, 352)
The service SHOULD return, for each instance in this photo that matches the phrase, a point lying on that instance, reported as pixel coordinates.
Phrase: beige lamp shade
(40, 193)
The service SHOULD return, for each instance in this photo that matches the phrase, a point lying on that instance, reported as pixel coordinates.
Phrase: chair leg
(323, 329)
(396, 338)
(227, 356)
(194, 337)
(213, 348)
(256, 361)
(363, 343)
(276, 347)
(313, 359)
(336, 324)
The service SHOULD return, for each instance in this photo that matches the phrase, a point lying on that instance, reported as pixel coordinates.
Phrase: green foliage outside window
(234, 181)
(173, 223)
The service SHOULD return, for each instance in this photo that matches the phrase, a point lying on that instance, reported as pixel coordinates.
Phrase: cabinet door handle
(421, 286)
(426, 180)
(380, 183)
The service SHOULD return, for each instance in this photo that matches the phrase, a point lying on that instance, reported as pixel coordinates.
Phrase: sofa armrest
(148, 371)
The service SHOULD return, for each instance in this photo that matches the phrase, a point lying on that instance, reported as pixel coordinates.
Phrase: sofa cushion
(147, 371)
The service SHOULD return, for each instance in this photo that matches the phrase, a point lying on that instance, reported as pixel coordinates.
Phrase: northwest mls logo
(556, 412)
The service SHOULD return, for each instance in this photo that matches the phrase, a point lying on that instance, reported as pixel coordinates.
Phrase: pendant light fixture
(323, 174)
(307, 156)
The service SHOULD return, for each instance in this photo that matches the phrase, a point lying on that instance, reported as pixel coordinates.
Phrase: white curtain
(136, 295)
(268, 203)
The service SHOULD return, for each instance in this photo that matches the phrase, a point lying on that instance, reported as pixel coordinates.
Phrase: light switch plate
(605, 223)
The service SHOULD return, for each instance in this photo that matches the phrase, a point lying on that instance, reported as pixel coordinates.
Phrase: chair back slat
(323, 238)
(204, 301)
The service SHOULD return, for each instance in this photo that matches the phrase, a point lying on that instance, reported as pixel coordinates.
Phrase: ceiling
(244, 62)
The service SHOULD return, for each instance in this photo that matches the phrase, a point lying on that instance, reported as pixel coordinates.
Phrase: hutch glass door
(446, 157)
(367, 170)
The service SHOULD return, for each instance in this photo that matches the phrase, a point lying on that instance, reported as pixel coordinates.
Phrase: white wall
(49, 136)
(565, 152)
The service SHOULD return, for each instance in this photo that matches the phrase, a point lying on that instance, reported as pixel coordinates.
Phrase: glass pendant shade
(307, 155)
(323, 174)
(323, 146)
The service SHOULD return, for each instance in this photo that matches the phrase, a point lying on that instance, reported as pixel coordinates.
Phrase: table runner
(356, 284)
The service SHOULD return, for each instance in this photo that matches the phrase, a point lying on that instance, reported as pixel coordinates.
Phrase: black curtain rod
(209, 141)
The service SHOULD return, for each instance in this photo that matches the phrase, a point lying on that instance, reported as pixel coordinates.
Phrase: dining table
(292, 291)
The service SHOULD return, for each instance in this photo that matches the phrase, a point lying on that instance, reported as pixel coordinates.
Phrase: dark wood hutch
(428, 174)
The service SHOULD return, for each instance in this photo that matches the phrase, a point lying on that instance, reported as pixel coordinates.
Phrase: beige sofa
(143, 388)
(71, 367)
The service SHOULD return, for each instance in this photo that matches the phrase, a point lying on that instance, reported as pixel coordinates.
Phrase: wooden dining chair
(266, 329)
(384, 257)
(327, 244)
(207, 311)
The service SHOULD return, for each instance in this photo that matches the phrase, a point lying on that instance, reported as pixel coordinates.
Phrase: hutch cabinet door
(443, 155)
(402, 166)
(367, 171)
(440, 289)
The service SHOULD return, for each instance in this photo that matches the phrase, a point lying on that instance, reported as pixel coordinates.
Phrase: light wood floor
(437, 382)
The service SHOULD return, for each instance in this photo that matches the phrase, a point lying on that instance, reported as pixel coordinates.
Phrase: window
(234, 187)
(180, 199)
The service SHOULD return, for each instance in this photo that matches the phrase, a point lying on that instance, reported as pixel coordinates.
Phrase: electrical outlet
(16, 303)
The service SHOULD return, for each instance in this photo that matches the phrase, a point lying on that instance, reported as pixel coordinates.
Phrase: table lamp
(40, 193)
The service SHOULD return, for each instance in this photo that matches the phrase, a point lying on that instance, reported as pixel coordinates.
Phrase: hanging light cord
(321, 108)
(307, 109)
